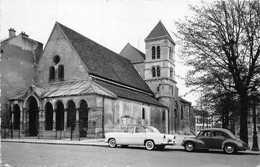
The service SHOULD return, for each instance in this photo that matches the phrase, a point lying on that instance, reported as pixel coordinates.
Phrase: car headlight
(164, 138)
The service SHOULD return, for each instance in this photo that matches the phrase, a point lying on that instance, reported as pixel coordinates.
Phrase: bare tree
(221, 41)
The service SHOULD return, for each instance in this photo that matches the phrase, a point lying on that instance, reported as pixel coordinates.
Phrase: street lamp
(255, 142)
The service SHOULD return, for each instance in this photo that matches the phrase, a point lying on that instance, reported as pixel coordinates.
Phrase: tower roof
(159, 31)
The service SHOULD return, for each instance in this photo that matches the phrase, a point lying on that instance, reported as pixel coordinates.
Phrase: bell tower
(159, 71)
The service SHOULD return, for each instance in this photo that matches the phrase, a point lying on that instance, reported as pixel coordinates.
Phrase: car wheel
(229, 149)
(160, 147)
(149, 145)
(189, 146)
(112, 143)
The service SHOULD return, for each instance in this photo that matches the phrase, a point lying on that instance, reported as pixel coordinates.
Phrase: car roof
(214, 129)
(144, 126)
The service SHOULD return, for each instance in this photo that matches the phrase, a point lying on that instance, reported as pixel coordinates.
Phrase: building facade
(77, 88)
(19, 56)
(82, 89)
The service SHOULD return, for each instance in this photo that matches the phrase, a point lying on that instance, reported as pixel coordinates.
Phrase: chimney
(11, 33)
(24, 34)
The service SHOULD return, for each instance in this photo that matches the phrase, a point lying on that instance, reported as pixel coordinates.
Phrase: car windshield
(151, 129)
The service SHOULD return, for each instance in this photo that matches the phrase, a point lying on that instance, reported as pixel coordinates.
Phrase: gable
(74, 68)
(104, 63)
(133, 54)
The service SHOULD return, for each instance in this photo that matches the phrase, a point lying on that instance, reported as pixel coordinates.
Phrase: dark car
(215, 138)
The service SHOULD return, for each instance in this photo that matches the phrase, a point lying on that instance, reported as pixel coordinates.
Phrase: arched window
(48, 116)
(83, 118)
(158, 70)
(153, 52)
(153, 72)
(158, 52)
(171, 72)
(52, 73)
(143, 113)
(170, 53)
(59, 116)
(16, 117)
(61, 72)
(71, 114)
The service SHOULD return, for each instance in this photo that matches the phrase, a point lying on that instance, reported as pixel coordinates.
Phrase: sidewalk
(97, 142)
(82, 142)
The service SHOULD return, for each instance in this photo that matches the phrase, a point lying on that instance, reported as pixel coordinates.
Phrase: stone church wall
(58, 45)
(122, 112)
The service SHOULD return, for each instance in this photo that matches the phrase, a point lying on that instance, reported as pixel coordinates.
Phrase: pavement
(94, 142)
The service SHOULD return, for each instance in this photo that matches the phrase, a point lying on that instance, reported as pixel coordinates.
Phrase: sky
(111, 23)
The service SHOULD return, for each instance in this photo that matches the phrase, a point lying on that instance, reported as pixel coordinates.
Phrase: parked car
(215, 138)
(147, 136)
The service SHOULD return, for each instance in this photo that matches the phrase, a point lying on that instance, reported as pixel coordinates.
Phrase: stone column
(65, 118)
(21, 119)
(54, 121)
(77, 130)
(103, 118)
(41, 122)
(12, 120)
(166, 121)
(25, 121)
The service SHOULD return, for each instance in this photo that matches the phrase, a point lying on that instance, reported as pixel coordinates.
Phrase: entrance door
(217, 139)
(84, 123)
(139, 136)
(33, 116)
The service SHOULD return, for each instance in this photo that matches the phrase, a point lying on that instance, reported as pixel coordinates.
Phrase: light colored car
(147, 136)
(215, 138)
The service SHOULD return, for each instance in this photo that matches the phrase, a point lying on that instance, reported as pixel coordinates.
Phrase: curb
(97, 143)
(57, 143)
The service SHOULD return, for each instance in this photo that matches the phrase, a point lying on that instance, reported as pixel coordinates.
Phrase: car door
(205, 137)
(126, 138)
(139, 135)
(217, 139)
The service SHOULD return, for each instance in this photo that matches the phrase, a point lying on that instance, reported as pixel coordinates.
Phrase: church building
(157, 68)
(81, 89)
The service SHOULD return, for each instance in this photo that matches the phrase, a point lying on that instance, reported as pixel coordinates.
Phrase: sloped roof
(130, 94)
(158, 32)
(23, 94)
(70, 88)
(133, 54)
(184, 101)
(103, 62)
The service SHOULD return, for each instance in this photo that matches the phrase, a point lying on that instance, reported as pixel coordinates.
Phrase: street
(31, 155)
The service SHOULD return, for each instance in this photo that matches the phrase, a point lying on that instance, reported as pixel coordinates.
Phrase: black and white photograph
(130, 83)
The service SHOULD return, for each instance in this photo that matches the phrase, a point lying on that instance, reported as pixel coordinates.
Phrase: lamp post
(255, 142)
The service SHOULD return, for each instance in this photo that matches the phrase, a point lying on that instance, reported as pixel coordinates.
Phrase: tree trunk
(243, 117)
(226, 119)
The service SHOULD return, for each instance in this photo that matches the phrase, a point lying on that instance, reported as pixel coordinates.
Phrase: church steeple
(159, 62)
(159, 70)
(159, 32)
